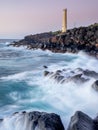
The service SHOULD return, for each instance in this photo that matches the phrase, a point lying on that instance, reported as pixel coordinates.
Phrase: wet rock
(1, 120)
(35, 121)
(68, 75)
(81, 121)
(96, 123)
(24, 112)
(58, 78)
(45, 66)
(50, 122)
(78, 79)
(95, 85)
(15, 113)
(90, 73)
(46, 73)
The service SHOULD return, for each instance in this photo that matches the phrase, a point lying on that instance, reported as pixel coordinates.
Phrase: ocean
(23, 86)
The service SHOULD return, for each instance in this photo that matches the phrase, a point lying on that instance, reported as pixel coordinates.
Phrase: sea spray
(16, 122)
(24, 87)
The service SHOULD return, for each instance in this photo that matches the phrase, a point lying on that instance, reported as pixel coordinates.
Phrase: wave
(63, 99)
(30, 90)
(18, 76)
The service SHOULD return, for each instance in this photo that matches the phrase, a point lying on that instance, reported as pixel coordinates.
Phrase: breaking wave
(26, 88)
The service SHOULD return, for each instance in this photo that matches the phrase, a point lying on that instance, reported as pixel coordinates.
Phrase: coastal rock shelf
(77, 76)
(81, 121)
(45, 121)
(74, 40)
(32, 121)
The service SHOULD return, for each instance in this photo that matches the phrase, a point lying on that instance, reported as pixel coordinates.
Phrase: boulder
(95, 85)
(1, 120)
(78, 78)
(66, 75)
(96, 123)
(50, 122)
(46, 73)
(90, 73)
(81, 121)
(45, 66)
(34, 121)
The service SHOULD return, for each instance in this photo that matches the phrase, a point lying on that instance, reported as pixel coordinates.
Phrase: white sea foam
(67, 98)
(47, 95)
(26, 75)
(16, 122)
(18, 76)
(7, 43)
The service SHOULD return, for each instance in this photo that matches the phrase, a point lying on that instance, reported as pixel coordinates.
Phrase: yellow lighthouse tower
(64, 23)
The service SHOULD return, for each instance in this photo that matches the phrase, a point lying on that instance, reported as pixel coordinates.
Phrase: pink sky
(22, 17)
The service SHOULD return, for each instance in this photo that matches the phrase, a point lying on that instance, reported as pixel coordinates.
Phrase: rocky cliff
(74, 40)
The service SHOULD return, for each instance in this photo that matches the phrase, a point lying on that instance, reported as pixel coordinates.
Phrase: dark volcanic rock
(95, 85)
(91, 73)
(45, 66)
(46, 73)
(74, 40)
(48, 121)
(77, 76)
(1, 120)
(96, 123)
(36, 121)
(81, 121)
(45, 121)
(67, 75)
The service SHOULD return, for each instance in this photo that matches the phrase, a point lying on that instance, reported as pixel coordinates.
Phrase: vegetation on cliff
(74, 40)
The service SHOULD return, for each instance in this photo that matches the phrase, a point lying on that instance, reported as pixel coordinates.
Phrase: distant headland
(73, 40)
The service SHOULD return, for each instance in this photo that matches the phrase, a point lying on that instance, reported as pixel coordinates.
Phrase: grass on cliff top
(56, 32)
(59, 31)
(94, 25)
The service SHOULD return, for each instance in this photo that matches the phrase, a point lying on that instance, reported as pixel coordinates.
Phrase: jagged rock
(78, 78)
(96, 123)
(48, 121)
(91, 73)
(66, 75)
(35, 121)
(95, 85)
(45, 66)
(58, 78)
(74, 40)
(81, 121)
(1, 120)
(46, 73)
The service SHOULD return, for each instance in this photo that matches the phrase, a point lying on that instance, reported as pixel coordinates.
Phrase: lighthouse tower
(64, 23)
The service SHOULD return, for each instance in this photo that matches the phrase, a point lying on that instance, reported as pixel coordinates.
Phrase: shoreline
(74, 40)
(36, 120)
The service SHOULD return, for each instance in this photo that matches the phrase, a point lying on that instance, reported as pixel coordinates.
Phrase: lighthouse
(64, 22)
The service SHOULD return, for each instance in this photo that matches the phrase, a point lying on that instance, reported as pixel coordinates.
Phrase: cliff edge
(74, 40)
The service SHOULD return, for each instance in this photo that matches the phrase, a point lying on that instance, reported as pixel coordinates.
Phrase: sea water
(23, 86)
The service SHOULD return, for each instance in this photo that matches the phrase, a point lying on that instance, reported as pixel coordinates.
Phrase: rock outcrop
(44, 121)
(81, 121)
(95, 85)
(77, 76)
(33, 121)
(74, 40)
(96, 123)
